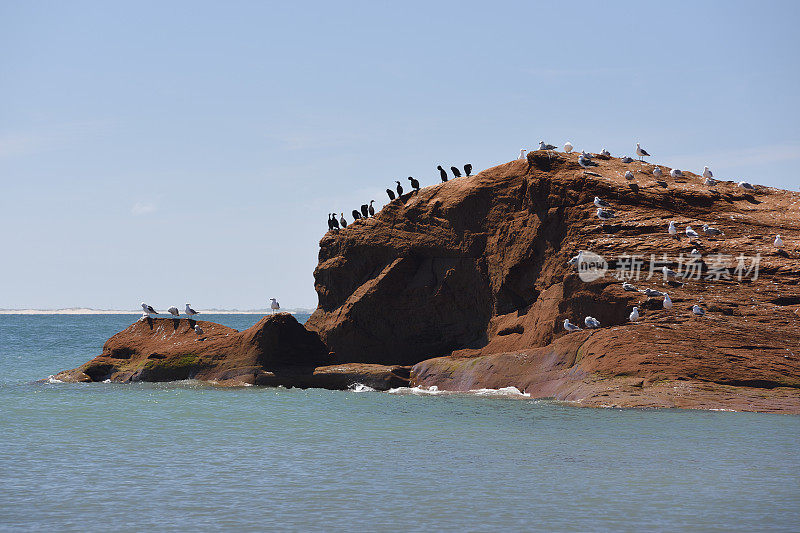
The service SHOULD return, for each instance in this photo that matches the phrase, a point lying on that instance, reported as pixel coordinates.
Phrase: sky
(175, 152)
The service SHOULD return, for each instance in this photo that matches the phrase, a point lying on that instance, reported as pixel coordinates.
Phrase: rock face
(468, 282)
(276, 351)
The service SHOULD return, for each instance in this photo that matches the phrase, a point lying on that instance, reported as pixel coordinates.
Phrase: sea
(188, 456)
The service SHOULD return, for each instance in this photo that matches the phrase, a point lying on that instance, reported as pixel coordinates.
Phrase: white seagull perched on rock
(634, 316)
(707, 173)
(672, 229)
(521, 155)
(628, 175)
(144, 317)
(198, 329)
(699, 311)
(667, 301)
(710, 182)
(694, 253)
(585, 163)
(602, 214)
(641, 152)
(692, 234)
(605, 152)
(675, 173)
(274, 305)
(746, 185)
(189, 311)
(591, 322)
(629, 287)
(148, 309)
(569, 326)
(652, 293)
(627, 159)
(708, 230)
(543, 146)
(657, 172)
(173, 311)
(778, 242)
(601, 203)
(568, 147)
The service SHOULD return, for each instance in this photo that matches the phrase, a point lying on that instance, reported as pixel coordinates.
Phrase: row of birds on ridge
(148, 311)
(368, 210)
(593, 323)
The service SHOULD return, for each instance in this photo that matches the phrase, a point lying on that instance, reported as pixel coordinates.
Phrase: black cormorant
(390, 192)
(442, 173)
(356, 214)
(456, 172)
(330, 224)
(414, 183)
(399, 189)
(334, 222)
(364, 210)
(342, 221)
(371, 209)
(468, 169)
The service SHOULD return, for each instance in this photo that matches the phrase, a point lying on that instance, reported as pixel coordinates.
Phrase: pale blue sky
(189, 151)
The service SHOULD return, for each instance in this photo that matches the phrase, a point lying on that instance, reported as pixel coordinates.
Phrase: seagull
(708, 230)
(198, 329)
(699, 311)
(274, 305)
(672, 229)
(601, 203)
(652, 293)
(691, 233)
(521, 155)
(668, 273)
(694, 253)
(746, 185)
(657, 172)
(543, 146)
(190, 312)
(634, 316)
(585, 163)
(778, 242)
(710, 182)
(399, 189)
(173, 311)
(569, 326)
(628, 175)
(371, 208)
(467, 169)
(667, 301)
(641, 152)
(591, 322)
(627, 159)
(568, 147)
(342, 220)
(456, 172)
(364, 210)
(628, 287)
(602, 214)
(585, 155)
(605, 152)
(707, 173)
(334, 222)
(442, 173)
(575, 260)
(148, 309)
(675, 173)
(144, 317)
(390, 193)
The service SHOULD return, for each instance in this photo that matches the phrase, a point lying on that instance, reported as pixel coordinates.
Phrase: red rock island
(466, 285)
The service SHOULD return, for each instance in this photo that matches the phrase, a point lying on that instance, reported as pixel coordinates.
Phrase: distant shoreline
(86, 311)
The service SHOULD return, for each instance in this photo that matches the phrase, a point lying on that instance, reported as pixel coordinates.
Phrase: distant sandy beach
(86, 311)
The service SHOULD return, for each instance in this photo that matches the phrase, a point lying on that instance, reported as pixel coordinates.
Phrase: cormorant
(456, 172)
(442, 173)
(414, 183)
(371, 209)
(390, 192)
(334, 222)
(364, 210)
(330, 224)
(342, 221)
(399, 189)
(468, 169)
(356, 214)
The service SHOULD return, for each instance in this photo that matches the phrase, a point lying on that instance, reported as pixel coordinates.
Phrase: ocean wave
(432, 390)
(510, 392)
(360, 387)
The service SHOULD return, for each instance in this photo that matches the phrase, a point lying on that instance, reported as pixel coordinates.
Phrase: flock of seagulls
(604, 212)
(368, 210)
(148, 311)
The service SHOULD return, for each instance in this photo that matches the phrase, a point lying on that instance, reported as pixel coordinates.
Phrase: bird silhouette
(456, 172)
(364, 210)
(334, 222)
(442, 173)
(371, 208)
(390, 192)
(467, 169)
(342, 221)
(356, 214)
(399, 189)
(414, 183)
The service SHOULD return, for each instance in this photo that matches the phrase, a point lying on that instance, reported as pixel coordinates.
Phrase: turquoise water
(186, 456)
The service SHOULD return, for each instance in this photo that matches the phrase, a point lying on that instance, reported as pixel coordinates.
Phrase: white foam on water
(510, 392)
(106, 381)
(432, 390)
(360, 387)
